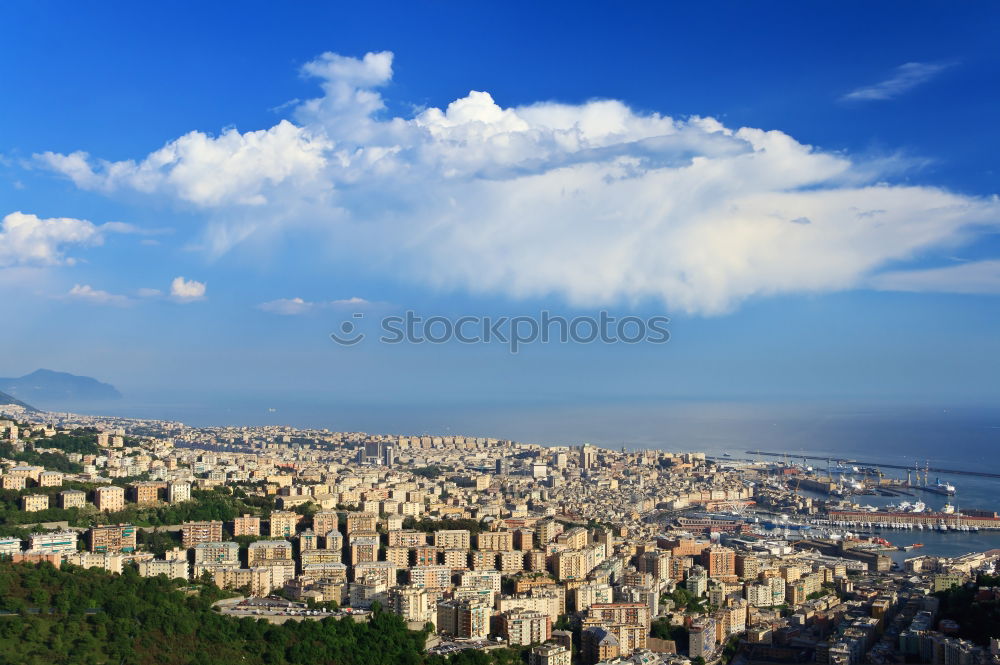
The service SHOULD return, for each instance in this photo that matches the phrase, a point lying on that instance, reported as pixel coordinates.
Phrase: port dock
(960, 472)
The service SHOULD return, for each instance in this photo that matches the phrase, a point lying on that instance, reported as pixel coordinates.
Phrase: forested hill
(91, 617)
(75, 616)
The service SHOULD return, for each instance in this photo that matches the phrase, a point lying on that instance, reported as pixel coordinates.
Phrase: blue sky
(808, 190)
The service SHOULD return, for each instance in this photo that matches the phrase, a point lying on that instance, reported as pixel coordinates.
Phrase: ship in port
(940, 487)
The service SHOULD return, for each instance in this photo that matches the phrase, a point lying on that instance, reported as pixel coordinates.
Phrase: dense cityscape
(495, 549)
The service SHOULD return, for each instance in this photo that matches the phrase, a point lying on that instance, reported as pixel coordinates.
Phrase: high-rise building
(262, 551)
(363, 548)
(110, 498)
(325, 521)
(361, 522)
(520, 626)
(467, 619)
(145, 493)
(178, 491)
(57, 542)
(112, 538)
(410, 602)
(719, 561)
(226, 553)
(431, 577)
(247, 525)
(598, 644)
(701, 638)
(72, 499)
(495, 541)
(193, 533)
(453, 539)
(282, 524)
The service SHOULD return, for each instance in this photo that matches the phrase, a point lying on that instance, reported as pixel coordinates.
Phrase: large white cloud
(591, 202)
(27, 239)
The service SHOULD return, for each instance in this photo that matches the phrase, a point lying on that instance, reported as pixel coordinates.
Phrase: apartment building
(431, 577)
(225, 553)
(193, 533)
(363, 548)
(407, 538)
(481, 579)
(521, 626)
(325, 521)
(57, 542)
(72, 499)
(105, 560)
(455, 559)
(702, 638)
(463, 619)
(426, 556)
(361, 522)
(50, 479)
(385, 569)
(112, 538)
(333, 541)
(458, 539)
(268, 550)
(145, 493)
(719, 561)
(282, 524)
(178, 492)
(31, 503)
(550, 654)
(495, 541)
(172, 568)
(410, 602)
(257, 580)
(110, 499)
(246, 525)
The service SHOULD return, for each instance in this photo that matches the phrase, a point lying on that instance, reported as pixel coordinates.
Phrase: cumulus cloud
(982, 277)
(593, 203)
(29, 240)
(26, 239)
(904, 78)
(186, 290)
(86, 293)
(296, 306)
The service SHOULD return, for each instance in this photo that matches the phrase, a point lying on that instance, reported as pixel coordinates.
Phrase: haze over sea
(945, 436)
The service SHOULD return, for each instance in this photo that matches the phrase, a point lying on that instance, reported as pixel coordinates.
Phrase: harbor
(960, 472)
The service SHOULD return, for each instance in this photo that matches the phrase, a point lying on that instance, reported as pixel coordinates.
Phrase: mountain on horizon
(50, 388)
(6, 399)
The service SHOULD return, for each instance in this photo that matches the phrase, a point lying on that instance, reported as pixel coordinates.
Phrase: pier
(960, 472)
(929, 520)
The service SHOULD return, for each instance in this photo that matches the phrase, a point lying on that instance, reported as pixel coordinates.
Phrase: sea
(938, 435)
